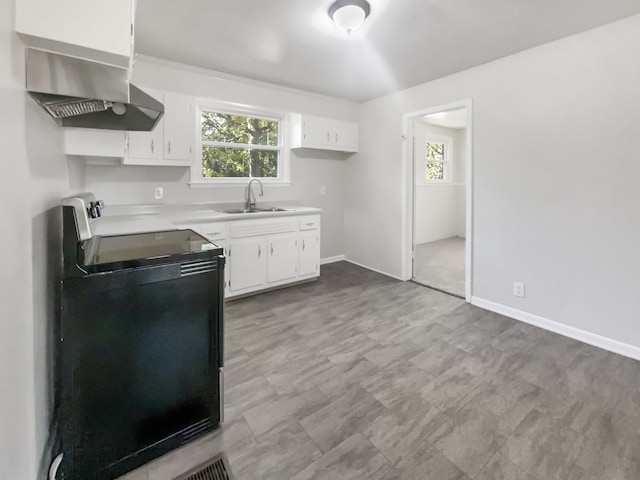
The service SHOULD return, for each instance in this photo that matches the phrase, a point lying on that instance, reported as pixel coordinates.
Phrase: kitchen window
(238, 143)
(436, 166)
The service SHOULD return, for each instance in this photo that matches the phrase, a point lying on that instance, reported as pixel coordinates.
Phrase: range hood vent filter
(82, 93)
(76, 107)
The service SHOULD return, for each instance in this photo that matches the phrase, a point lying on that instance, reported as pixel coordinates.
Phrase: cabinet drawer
(310, 223)
(251, 228)
(215, 231)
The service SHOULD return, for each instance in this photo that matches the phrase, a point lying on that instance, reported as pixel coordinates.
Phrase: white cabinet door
(179, 127)
(247, 263)
(323, 133)
(217, 233)
(283, 257)
(227, 266)
(309, 248)
(316, 132)
(145, 148)
(345, 136)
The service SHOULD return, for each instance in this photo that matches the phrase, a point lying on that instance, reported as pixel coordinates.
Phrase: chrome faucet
(248, 204)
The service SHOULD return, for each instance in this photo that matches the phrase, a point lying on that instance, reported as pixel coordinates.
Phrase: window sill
(236, 183)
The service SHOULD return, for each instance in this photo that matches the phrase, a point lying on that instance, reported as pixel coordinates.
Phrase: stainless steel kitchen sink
(256, 210)
(273, 209)
(239, 210)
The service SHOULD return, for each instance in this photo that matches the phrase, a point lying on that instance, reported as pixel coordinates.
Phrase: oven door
(139, 359)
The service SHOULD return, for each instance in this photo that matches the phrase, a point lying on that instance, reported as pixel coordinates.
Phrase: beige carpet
(441, 265)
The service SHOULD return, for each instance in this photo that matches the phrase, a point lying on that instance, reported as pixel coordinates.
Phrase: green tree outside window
(435, 161)
(239, 146)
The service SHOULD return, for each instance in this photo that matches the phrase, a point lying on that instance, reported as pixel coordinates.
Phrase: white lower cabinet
(247, 263)
(218, 232)
(267, 252)
(283, 258)
(309, 250)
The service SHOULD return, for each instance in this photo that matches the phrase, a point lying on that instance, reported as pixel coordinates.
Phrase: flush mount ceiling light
(349, 15)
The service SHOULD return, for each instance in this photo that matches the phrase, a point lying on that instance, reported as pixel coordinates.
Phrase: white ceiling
(403, 42)
(449, 119)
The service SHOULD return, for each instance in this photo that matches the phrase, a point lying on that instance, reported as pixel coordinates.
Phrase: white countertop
(126, 219)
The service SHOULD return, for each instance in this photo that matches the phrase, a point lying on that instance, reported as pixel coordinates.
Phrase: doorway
(439, 166)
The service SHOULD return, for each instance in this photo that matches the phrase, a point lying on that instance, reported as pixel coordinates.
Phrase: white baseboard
(337, 258)
(375, 270)
(599, 341)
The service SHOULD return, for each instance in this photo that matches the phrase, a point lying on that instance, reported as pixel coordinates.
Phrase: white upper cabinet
(346, 136)
(323, 133)
(316, 132)
(99, 31)
(170, 143)
(179, 127)
(145, 148)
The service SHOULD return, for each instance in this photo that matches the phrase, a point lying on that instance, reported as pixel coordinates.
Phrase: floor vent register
(215, 469)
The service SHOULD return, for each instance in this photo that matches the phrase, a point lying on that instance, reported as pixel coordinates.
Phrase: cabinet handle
(336, 137)
(259, 251)
(152, 146)
(328, 137)
(169, 147)
(272, 249)
(126, 146)
(303, 245)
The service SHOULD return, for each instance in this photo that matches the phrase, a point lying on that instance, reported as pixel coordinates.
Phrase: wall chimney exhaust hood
(82, 93)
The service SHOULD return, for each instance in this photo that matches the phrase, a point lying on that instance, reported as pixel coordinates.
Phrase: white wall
(309, 169)
(440, 207)
(556, 136)
(34, 176)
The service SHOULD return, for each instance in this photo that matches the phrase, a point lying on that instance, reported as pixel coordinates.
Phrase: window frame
(284, 167)
(447, 163)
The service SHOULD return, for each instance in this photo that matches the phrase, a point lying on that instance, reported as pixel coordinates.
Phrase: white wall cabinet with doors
(170, 143)
(98, 31)
(323, 133)
(266, 253)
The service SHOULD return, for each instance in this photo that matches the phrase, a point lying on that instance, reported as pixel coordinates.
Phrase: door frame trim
(408, 187)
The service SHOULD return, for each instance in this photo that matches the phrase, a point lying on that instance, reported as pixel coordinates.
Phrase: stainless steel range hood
(81, 93)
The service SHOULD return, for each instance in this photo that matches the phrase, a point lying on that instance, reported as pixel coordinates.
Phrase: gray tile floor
(359, 376)
(441, 264)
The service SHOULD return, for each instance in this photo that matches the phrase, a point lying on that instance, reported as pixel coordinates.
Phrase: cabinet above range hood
(82, 93)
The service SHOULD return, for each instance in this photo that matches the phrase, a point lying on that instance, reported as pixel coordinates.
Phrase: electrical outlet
(158, 193)
(518, 289)
(323, 190)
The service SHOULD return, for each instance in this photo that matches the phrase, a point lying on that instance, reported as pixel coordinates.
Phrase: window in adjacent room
(236, 144)
(437, 166)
